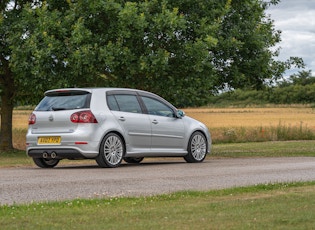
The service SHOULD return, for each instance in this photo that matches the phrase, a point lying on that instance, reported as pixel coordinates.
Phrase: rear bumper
(60, 153)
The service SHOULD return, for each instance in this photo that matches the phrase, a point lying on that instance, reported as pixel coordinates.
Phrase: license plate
(49, 140)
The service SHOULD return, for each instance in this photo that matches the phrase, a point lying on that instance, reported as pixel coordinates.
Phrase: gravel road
(32, 184)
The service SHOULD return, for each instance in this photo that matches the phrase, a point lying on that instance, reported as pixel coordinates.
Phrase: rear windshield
(64, 101)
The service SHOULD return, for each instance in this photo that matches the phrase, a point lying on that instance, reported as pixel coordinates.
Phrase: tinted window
(158, 108)
(124, 103)
(112, 103)
(64, 102)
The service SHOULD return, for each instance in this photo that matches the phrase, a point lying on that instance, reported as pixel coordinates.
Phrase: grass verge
(265, 149)
(14, 158)
(270, 206)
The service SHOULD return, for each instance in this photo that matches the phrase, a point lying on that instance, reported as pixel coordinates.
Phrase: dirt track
(25, 185)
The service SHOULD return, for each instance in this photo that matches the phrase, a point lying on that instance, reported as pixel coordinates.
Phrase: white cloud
(296, 20)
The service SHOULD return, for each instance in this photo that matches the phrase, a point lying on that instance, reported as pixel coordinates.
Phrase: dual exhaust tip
(52, 155)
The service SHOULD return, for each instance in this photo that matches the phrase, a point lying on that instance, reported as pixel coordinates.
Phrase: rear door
(136, 125)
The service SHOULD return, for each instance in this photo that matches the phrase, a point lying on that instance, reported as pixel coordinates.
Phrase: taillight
(83, 117)
(32, 119)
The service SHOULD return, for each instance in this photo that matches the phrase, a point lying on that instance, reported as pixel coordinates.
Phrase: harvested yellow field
(20, 119)
(227, 117)
(253, 117)
(228, 124)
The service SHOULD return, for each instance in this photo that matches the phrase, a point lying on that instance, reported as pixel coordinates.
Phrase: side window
(112, 103)
(124, 103)
(156, 107)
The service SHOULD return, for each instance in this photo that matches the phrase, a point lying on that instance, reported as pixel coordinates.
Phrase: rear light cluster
(83, 117)
(78, 117)
(32, 119)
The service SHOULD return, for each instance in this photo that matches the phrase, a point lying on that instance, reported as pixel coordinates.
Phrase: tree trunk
(6, 124)
(7, 104)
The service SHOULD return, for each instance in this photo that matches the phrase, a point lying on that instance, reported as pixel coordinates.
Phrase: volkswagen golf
(111, 125)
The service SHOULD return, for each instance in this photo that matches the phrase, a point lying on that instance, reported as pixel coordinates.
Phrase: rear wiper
(58, 108)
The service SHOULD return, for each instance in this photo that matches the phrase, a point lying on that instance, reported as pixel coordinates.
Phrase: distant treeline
(299, 89)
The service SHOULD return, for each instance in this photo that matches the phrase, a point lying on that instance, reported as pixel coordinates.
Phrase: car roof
(91, 89)
(103, 89)
(107, 89)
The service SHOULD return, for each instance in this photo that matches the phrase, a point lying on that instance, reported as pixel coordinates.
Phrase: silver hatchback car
(111, 125)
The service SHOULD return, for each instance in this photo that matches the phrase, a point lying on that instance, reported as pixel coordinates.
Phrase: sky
(296, 20)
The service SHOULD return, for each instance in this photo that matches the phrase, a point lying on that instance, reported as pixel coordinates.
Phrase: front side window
(158, 108)
(124, 103)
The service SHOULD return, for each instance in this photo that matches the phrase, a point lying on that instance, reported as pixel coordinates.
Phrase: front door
(167, 130)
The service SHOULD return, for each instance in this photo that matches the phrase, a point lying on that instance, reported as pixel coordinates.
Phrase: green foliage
(301, 78)
(182, 50)
(294, 94)
(298, 89)
(242, 57)
(49, 54)
(263, 206)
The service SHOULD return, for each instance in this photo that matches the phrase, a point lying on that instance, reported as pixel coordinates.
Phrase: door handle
(155, 121)
(122, 119)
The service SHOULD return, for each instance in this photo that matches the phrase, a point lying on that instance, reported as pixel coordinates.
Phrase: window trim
(169, 108)
(139, 94)
(124, 92)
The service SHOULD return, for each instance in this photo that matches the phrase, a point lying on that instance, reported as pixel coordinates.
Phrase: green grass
(265, 149)
(14, 158)
(271, 206)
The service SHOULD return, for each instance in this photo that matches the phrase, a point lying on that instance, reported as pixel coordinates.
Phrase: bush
(292, 94)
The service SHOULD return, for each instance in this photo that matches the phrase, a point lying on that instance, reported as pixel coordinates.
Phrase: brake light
(32, 119)
(83, 117)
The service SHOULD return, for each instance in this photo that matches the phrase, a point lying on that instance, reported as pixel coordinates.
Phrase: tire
(197, 148)
(111, 152)
(45, 163)
(133, 160)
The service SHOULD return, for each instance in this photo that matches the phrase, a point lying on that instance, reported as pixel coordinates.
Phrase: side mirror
(180, 113)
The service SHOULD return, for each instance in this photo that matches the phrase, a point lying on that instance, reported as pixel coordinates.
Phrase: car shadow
(147, 162)
(144, 163)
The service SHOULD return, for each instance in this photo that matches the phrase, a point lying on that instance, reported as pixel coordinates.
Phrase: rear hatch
(53, 113)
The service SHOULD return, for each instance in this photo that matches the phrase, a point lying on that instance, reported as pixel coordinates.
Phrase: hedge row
(293, 94)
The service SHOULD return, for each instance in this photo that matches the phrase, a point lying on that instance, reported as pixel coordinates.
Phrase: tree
(147, 45)
(10, 14)
(243, 57)
(31, 60)
(154, 45)
(302, 78)
(180, 49)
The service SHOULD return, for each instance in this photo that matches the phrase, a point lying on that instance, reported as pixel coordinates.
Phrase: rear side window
(124, 103)
(64, 101)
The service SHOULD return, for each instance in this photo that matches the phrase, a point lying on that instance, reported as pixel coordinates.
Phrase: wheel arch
(115, 132)
(208, 139)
